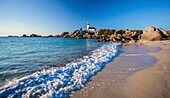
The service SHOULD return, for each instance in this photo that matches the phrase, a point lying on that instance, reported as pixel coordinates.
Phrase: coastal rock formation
(164, 33)
(65, 34)
(57, 36)
(78, 34)
(106, 32)
(24, 35)
(117, 36)
(83, 34)
(12, 36)
(151, 34)
(125, 36)
(168, 32)
(105, 35)
(132, 34)
(50, 36)
(35, 35)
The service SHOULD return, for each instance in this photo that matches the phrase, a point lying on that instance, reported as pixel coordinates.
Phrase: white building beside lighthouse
(90, 29)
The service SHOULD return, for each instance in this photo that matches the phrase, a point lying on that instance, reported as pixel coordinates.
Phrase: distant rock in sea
(12, 36)
(24, 35)
(35, 35)
(50, 36)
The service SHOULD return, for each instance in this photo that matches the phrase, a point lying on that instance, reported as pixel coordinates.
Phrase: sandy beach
(125, 78)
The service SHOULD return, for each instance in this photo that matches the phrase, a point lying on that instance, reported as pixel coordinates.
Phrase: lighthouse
(90, 29)
(88, 25)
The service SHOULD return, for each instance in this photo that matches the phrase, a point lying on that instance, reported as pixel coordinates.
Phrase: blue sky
(46, 17)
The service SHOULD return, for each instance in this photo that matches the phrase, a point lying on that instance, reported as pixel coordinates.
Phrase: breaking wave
(59, 82)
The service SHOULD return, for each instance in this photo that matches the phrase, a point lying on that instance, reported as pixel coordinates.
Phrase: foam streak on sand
(59, 82)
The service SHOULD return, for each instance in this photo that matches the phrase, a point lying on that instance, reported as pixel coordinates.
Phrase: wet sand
(133, 74)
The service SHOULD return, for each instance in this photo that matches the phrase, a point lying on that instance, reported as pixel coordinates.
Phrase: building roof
(92, 28)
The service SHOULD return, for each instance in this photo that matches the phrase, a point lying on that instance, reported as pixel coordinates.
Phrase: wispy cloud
(17, 23)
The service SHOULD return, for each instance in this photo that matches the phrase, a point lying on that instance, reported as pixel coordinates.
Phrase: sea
(50, 67)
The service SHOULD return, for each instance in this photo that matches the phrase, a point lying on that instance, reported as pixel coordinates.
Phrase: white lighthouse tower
(90, 29)
(88, 25)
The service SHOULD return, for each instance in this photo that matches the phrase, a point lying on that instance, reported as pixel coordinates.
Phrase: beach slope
(151, 82)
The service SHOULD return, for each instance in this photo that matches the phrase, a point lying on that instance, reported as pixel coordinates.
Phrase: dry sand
(119, 79)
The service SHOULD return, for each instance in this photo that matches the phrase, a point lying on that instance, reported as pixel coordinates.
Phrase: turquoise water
(54, 82)
(21, 56)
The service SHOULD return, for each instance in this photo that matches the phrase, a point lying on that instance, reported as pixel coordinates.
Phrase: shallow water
(139, 56)
(59, 82)
(23, 56)
(133, 58)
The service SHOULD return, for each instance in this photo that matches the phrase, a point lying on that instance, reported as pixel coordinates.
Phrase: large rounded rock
(151, 34)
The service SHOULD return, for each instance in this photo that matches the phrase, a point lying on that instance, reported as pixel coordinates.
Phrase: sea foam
(59, 82)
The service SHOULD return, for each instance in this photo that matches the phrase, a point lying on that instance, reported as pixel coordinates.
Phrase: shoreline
(134, 85)
(153, 82)
(120, 80)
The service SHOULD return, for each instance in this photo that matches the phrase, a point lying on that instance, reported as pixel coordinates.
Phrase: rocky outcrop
(106, 32)
(125, 36)
(24, 35)
(164, 33)
(117, 36)
(12, 36)
(168, 32)
(151, 34)
(65, 34)
(35, 35)
(50, 36)
(105, 35)
(83, 34)
(78, 34)
(57, 36)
